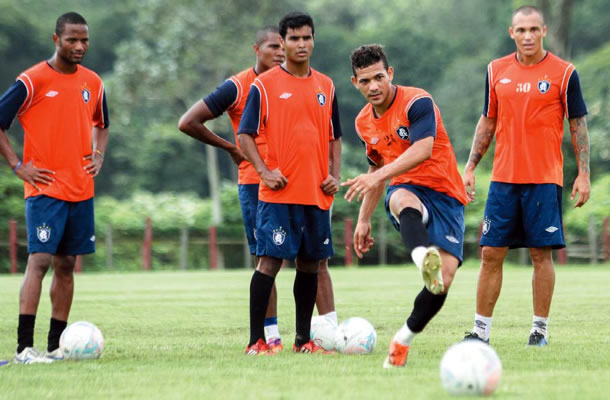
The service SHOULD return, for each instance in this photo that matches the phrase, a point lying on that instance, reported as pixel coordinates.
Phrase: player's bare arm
(100, 141)
(483, 136)
(419, 152)
(580, 141)
(274, 180)
(330, 185)
(27, 172)
(363, 241)
(192, 123)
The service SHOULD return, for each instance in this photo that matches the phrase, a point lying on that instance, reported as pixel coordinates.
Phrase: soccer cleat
(397, 355)
(55, 355)
(275, 345)
(537, 339)
(310, 348)
(431, 271)
(475, 336)
(259, 348)
(30, 355)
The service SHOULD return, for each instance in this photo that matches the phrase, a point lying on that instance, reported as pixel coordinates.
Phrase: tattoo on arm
(580, 141)
(482, 139)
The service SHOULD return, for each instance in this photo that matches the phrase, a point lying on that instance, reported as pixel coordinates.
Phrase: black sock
(260, 291)
(412, 229)
(25, 332)
(305, 290)
(55, 331)
(425, 307)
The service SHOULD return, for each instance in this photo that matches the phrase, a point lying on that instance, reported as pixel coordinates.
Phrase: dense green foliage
(182, 336)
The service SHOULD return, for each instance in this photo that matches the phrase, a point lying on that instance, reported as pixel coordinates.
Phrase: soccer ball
(81, 341)
(323, 332)
(355, 336)
(470, 368)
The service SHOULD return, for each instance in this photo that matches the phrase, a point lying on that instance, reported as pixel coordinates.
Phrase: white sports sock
(332, 316)
(404, 336)
(482, 326)
(540, 325)
(272, 332)
(418, 254)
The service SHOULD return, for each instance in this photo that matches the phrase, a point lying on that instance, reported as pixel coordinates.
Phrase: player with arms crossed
(406, 142)
(231, 97)
(61, 106)
(527, 94)
(297, 108)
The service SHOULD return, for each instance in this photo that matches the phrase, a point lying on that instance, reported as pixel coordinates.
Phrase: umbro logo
(285, 95)
(452, 239)
(505, 81)
(552, 229)
(52, 93)
(326, 241)
(92, 238)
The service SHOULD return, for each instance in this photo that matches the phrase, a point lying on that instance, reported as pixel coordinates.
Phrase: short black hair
(368, 55)
(68, 18)
(527, 10)
(295, 20)
(261, 34)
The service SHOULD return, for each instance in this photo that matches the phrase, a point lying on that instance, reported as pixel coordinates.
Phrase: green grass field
(173, 335)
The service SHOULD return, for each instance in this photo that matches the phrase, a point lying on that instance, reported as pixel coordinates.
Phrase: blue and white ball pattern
(81, 341)
(355, 336)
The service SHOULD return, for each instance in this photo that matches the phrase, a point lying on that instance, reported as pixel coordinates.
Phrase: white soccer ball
(355, 336)
(470, 368)
(323, 332)
(81, 341)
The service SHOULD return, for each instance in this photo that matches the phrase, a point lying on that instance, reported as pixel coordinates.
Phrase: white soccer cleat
(30, 355)
(55, 355)
(431, 271)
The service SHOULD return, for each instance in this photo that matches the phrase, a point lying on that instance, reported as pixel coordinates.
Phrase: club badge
(486, 225)
(43, 232)
(403, 132)
(279, 235)
(321, 98)
(544, 86)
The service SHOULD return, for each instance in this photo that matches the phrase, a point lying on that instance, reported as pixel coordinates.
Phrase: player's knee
(541, 256)
(64, 267)
(492, 257)
(269, 266)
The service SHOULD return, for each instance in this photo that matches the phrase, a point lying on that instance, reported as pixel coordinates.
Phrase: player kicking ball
(406, 142)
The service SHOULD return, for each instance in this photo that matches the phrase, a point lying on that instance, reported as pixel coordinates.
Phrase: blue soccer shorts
(445, 223)
(523, 215)
(248, 200)
(289, 231)
(60, 227)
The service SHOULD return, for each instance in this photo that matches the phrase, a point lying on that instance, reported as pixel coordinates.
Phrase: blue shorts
(293, 230)
(445, 218)
(60, 227)
(248, 199)
(523, 215)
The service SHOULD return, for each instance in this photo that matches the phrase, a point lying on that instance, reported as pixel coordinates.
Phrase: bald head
(262, 35)
(527, 10)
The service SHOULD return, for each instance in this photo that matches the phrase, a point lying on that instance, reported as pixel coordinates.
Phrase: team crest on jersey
(486, 225)
(86, 95)
(544, 86)
(279, 235)
(321, 98)
(43, 232)
(403, 132)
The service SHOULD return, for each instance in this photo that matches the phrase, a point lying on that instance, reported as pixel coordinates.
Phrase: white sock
(540, 325)
(482, 326)
(332, 316)
(404, 336)
(418, 255)
(272, 332)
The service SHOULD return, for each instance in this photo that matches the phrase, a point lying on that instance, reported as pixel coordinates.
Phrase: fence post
(108, 246)
(147, 245)
(592, 240)
(479, 234)
(562, 254)
(13, 244)
(348, 239)
(606, 240)
(213, 248)
(247, 256)
(383, 241)
(184, 247)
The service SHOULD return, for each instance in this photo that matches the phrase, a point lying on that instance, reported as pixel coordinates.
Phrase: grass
(177, 335)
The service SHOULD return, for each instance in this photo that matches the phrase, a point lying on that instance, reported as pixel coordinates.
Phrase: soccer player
(406, 142)
(297, 108)
(231, 97)
(527, 94)
(61, 106)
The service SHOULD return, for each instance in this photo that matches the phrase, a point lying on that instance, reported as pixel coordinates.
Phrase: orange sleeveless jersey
(57, 117)
(383, 143)
(246, 172)
(529, 102)
(296, 115)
